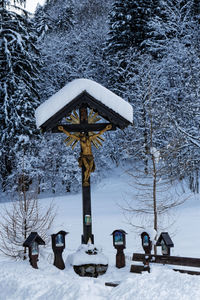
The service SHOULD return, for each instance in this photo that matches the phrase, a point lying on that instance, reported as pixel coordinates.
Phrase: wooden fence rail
(165, 260)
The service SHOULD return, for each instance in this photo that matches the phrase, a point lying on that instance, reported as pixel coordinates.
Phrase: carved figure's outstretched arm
(68, 133)
(108, 127)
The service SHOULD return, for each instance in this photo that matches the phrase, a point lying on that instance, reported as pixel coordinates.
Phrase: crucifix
(86, 159)
(83, 103)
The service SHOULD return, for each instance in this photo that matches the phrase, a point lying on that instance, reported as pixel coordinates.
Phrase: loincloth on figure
(89, 159)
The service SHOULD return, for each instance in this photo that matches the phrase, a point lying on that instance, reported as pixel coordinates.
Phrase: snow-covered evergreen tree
(128, 24)
(18, 85)
(128, 29)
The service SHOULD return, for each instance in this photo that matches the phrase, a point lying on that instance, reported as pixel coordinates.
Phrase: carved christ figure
(86, 157)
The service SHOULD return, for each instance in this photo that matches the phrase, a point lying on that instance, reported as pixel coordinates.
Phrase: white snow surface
(155, 153)
(71, 90)
(19, 281)
(80, 257)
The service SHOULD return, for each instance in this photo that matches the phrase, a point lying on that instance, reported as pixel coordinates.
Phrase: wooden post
(58, 260)
(120, 258)
(87, 212)
(58, 245)
(33, 259)
(86, 195)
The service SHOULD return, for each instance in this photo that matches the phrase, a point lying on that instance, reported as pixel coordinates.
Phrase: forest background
(147, 52)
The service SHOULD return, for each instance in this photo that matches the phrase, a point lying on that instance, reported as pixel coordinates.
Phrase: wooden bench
(148, 259)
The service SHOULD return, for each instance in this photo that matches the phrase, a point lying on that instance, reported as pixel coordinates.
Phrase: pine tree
(18, 85)
(128, 22)
(128, 29)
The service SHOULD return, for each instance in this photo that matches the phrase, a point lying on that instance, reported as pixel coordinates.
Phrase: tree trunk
(154, 199)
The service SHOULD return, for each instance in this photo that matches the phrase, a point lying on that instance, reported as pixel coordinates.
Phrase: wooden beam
(112, 284)
(165, 260)
(187, 272)
(83, 127)
(139, 269)
(168, 260)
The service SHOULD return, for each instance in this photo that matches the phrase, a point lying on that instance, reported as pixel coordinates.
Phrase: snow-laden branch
(194, 140)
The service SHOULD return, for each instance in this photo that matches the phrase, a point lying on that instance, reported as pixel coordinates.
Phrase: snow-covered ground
(18, 280)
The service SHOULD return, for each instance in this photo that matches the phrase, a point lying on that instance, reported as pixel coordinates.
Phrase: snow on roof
(71, 90)
(55, 228)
